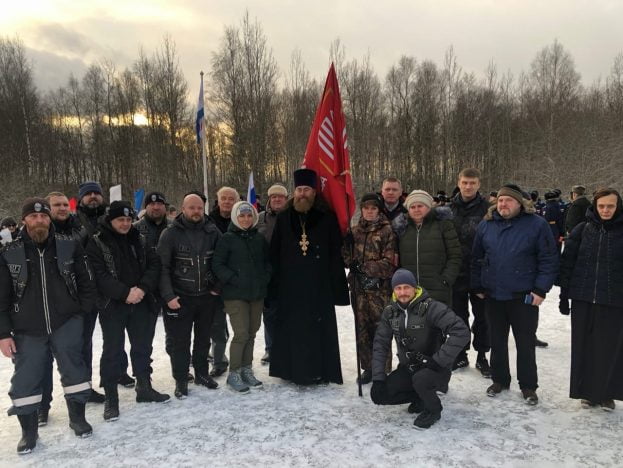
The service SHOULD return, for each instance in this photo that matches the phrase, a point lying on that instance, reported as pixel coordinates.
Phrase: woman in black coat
(591, 276)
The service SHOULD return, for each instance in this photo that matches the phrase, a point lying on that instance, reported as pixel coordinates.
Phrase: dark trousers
(523, 319)
(270, 316)
(198, 312)
(219, 336)
(139, 321)
(47, 385)
(461, 299)
(31, 361)
(404, 387)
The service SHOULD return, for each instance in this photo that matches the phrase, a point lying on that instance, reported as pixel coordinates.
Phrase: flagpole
(203, 153)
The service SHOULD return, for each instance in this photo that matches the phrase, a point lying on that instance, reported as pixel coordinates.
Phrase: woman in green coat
(428, 245)
(241, 264)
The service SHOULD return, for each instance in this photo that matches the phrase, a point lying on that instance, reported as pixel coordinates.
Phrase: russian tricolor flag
(251, 197)
(199, 123)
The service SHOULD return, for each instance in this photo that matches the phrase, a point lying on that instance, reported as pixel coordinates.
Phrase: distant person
(576, 213)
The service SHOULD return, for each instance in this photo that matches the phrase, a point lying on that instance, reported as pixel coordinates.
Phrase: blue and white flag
(199, 123)
(251, 197)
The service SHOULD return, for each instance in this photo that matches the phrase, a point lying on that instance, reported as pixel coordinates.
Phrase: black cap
(372, 197)
(305, 177)
(153, 197)
(120, 208)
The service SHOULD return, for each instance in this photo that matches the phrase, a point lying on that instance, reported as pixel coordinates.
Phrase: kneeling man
(420, 326)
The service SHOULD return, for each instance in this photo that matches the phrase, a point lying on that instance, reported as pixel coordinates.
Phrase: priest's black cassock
(307, 288)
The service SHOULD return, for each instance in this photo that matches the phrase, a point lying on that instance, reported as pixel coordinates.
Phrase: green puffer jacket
(241, 263)
(432, 253)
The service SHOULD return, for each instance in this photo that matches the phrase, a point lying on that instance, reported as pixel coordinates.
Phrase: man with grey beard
(45, 289)
(308, 282)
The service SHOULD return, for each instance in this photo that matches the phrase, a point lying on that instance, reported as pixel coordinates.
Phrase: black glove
(421, 361)
(355, 267)
(563, 305)
(378, 392)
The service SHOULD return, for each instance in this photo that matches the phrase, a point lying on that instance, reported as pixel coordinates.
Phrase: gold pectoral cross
(304, 243)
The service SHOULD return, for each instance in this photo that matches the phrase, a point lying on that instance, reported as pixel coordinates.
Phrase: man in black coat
(308, 282)
(428, 336)
(190, 291)
(155, 219)
(576, 213)
(127, 272)
(469, 208)
(45, 289)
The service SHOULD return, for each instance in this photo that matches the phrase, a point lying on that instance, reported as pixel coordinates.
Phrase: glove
(355, 267)
(420, 361)
(563, 305)
(378, 392)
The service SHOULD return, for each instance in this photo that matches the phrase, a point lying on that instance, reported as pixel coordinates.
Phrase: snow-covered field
(286, 425)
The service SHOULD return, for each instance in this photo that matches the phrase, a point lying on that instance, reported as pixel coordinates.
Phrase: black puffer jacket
(186, 252)
(46, 303)
(592, 262)
(134, 264)
(467, 216)
(442, 322)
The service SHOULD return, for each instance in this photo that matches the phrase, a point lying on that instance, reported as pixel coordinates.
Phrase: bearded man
(308, 282)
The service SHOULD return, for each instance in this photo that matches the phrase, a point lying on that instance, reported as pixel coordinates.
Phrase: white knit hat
(419, 196)
(243, 207)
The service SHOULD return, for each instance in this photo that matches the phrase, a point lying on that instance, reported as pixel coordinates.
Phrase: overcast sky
(66, 35)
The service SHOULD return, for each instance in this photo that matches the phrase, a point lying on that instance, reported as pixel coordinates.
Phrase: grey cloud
(54, 36)
(51, 70)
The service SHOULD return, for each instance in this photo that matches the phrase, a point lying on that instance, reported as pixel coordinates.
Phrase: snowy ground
(285, 425)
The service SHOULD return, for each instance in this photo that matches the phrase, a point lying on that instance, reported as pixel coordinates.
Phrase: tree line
(420, 121)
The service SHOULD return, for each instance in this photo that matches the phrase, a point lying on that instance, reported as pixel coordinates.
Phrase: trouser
(523, 319)
(461, 298)
(368, 309)
(198, 312)
(138, 320)
(245, 318)
(404, 387)
(270, 321)
(219, 336)
(32, 358)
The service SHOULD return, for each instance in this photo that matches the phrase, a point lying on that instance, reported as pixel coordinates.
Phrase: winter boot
(146, 394)
(530, 396)
(234, 380)
(266, 358)
(460, 362)
(586, 404)
(30, 432)
(42, 416)
(483, 365)
(126, 381)
(111, 405)
(96, 397)
(607, 405)
(540, 344)
(426, 419)
(415, 407)
(366, 377)
(76, 419)
(181, 389)
(246, 373)
(206, 381)
(190, 378)
(495, 388)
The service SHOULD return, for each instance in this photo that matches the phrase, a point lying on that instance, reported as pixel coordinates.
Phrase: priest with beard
(308, 282)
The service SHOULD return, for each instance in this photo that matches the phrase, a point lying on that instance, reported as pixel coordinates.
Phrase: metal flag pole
(203, 151)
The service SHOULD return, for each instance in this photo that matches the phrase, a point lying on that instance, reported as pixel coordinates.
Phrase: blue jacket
(513, 257)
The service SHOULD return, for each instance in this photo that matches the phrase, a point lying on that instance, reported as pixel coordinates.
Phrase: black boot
(426, 419)
(366, 377)
(483, 365)
(76, 419)
(43, 416)
(96, 397)
(146, 394)
(111, 405)
(30, 432)
(126, 381)
(181, 389)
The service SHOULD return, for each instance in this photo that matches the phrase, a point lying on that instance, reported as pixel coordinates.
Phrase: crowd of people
(417, 264)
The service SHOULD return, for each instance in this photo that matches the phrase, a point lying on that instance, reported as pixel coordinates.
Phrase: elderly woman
(241, 263)
(428, 245)
(591, 276)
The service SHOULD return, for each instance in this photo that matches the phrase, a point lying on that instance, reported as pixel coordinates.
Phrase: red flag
(73, 204)
(327, 153)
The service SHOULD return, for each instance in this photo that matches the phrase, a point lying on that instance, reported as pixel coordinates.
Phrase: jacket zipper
(601, 234)
(199, 273)
(417, 249)
(44, 286)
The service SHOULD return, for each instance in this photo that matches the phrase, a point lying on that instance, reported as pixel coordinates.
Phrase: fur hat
(278, 189)
(419, 196)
